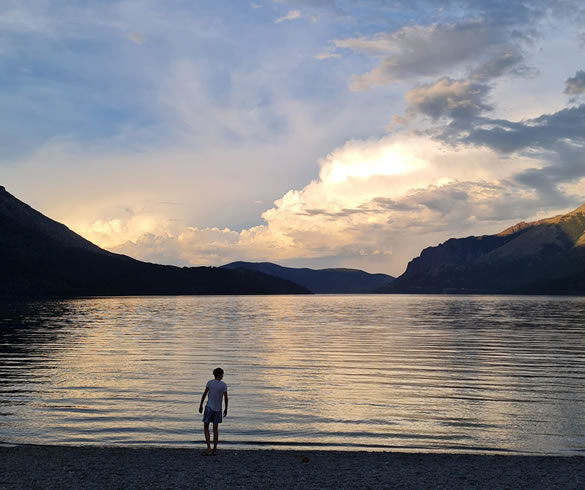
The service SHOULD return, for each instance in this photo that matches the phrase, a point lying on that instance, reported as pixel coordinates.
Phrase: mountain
(41, 257)
(320, 280)
(541, 257)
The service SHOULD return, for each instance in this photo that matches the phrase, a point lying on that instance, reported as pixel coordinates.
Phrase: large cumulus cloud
(373, 204)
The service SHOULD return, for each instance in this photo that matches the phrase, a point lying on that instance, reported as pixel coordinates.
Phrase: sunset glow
(355, 163)
(310, 133)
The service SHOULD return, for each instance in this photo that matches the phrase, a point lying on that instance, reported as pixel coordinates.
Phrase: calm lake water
(382, 372)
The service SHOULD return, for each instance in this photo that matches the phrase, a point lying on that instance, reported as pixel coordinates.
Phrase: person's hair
(217, 372)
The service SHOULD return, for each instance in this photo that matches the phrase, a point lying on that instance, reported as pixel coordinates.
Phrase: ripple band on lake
(425, 373)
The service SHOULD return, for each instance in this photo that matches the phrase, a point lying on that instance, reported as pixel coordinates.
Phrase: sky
(321, 133)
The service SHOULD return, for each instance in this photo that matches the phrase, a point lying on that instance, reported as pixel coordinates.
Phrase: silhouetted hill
(40, 257)
(320, 280)
(542, 257)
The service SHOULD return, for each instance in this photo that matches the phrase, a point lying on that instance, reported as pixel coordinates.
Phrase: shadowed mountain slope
(321, 280)
(541, 257)
(40, 257)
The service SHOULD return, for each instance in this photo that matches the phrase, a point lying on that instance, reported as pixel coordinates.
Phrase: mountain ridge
(546, 256)
(339, 280)
(41, 257)
(32, 219)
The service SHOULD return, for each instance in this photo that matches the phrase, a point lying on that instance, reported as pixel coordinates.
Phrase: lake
(376, 372)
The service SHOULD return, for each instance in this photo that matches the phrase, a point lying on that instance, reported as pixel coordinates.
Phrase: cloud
(576, 84)
(136, 37)
(564, 165)
(448, 98)
(327, 53)
(292, 15)
(131, 226)
(541, 133)
(487, 42)
(556, 141)
(191, 246)
(456, 205)
(374, 205)
(414, 51)
(508, 59)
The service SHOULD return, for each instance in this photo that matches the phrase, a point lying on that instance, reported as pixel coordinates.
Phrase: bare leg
(207, 438)
(215, 437)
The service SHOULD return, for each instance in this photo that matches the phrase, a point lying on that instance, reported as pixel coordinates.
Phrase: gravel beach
(115, 467)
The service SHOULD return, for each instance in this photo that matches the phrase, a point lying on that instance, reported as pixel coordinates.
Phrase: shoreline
(32, 466)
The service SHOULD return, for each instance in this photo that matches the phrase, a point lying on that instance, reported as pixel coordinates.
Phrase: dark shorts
(211, 416)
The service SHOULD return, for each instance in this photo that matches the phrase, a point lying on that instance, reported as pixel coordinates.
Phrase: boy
(216, 388)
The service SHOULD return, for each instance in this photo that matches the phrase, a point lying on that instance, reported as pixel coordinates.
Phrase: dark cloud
(391, 204)
(444, 199)
(488, 42)
(504, 137)
(464, 100)
(450, 98)
(414, 51)
(566, 164)
(576, 85)
(556, 141)
(334, 214)
(541, 133)
(507, 60)
(462, 205)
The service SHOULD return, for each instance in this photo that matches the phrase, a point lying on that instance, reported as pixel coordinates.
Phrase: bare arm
(203, 399)
(225, 397)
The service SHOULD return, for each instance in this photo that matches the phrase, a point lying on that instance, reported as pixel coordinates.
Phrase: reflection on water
(432, 373)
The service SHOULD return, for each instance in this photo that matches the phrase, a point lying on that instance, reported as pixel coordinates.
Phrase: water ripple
(433, 373)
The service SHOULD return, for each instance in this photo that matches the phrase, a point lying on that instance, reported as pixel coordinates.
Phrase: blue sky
(322, 133)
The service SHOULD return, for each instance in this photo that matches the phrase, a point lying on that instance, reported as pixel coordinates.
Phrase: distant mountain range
(40, 257)
(341, 281)
(541, 257)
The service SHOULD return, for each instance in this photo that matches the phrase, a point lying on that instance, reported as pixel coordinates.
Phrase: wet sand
(116, 467)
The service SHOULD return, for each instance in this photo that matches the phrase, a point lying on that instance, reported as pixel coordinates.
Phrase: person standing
(216, 389)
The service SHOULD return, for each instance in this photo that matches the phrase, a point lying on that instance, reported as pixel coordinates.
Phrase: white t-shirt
(215, 395)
